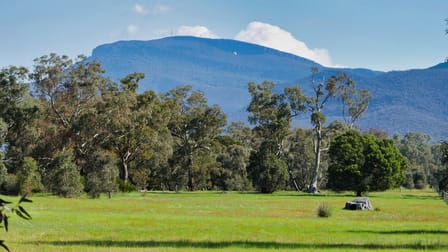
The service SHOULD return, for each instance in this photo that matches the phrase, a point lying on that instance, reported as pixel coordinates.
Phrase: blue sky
(376, 34)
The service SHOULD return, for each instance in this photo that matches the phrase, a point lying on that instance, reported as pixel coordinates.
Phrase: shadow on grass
(239, 244)
(420, 197)
(391, 232)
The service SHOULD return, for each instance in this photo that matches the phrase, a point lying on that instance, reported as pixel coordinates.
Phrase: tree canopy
(66, 128)
(362, 163)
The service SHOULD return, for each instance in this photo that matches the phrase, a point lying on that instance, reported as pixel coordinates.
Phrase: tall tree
(18, 111)
(354, 104)
(299, 156)
(194, 126)
(416, 147)
(443, 173)
(69, 90)
(134, 125)
(271, 113)
(336, 87)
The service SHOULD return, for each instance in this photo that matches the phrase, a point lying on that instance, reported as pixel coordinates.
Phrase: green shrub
(324, 210)
(29, 178)
(266, 170)
(125, 187)
(63, 178)
(11, 185)
(102, 174)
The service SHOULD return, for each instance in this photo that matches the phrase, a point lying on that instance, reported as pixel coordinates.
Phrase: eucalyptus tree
(236, 145)
(194, 126)
(18, 112)
(443, 173)
(63, 177)
(354, 103)
(416, 147)
(444, 149)
(102, 175)
(134, 126)
(68, 90)
(341, 87)
(271, 113)
(232, 158)
(240, 132)
(299, 156)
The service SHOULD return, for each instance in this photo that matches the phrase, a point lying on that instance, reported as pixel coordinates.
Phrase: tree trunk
(293, 179)
(191, 183)
(317, 151)
(125, 174)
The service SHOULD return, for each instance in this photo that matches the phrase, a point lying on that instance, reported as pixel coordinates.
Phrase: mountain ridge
(221, 68)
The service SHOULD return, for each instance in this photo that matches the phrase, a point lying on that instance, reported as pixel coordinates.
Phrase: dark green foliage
(63, 177)
(125, 187)
(102, 174)
(442, 175)
(11, 185)
(362, 163)
(346, 165)
(233, 174)
(269, 112)
(444, 150)
(29, 177)
(3, 170)
(416, 147)
(194, 126)
(266, 170)
(300, 158)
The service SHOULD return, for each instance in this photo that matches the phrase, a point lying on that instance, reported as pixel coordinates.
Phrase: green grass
(214, 221)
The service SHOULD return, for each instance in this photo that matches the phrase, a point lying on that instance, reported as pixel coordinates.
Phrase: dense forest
(66, 129)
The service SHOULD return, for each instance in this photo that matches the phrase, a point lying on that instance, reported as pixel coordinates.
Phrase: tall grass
(204, 221)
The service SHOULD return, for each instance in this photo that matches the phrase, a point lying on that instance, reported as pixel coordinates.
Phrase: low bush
(324, 210)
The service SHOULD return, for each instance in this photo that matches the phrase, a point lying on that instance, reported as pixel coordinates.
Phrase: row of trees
(65, 128)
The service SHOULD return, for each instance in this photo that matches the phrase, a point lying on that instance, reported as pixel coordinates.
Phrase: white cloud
(197, 31)
(132, 29)
(277, 38)
(158, 9)
(161, 9)
(140, 9)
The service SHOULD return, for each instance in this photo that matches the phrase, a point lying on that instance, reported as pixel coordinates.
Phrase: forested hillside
(403, 101)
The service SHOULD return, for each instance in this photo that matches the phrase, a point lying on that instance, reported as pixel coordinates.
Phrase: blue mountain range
(403, 101)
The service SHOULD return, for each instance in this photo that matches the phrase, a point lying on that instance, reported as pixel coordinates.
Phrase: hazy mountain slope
(402, 101)
(219, 68)
(414, 100)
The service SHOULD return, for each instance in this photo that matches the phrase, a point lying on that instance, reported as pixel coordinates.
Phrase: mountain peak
(221, 68)
(443, 65)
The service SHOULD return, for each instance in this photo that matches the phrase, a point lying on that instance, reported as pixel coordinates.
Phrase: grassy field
(214, 221)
